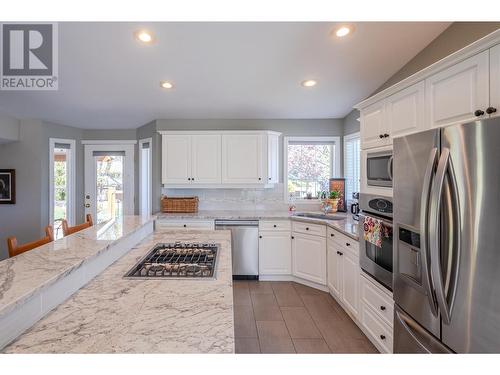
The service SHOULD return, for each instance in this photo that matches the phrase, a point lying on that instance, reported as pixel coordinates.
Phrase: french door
(109, 180)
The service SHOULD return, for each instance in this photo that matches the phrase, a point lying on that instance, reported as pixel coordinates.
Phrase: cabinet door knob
(386, 135)
(192, 178)
(490, 110)
(381, 136)
(260, 236)
(332, 235)
(382, 337)
(293, 237)
(189, 179)
(307, 228)
(478, 113)
(274, 225)
(382, 308)
(184, 225)
(347, 244)
(269, 178)
(341, 253)
(260, 178)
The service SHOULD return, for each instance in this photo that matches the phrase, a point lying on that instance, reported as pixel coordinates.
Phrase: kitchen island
(113, 314)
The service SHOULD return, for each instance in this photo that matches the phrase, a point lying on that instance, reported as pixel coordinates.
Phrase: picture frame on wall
(7, 186)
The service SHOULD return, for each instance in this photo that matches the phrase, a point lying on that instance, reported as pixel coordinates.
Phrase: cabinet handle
(347, 244)
(478, 113)
(340, 253)
(307, 228)
(189, 179)
(260, 236)
(293, 237)
(274, 225)
(382, 308)
(192, 178)
(382, 337)
(386, 135)
(490, 110)
(260, 178)
(332, 235)
(381, 136)
(184, 225)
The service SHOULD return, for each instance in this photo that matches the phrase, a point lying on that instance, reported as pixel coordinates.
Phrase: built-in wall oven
(379, 168)
(376, 237)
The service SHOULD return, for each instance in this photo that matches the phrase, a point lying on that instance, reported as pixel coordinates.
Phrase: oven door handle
(387, 223)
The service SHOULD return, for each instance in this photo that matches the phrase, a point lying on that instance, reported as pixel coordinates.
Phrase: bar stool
(70, 230)
(15, 249)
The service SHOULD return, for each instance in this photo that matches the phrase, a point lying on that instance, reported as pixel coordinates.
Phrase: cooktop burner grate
(177, 260)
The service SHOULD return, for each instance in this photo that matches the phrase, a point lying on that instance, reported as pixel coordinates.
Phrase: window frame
(71, 179)
(335, 165)
(350, 137)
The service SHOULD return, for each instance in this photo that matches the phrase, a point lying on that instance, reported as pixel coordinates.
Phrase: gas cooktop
(177, 260)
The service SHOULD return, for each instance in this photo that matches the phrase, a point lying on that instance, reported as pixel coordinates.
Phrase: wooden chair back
(70, 230)
(15, 249)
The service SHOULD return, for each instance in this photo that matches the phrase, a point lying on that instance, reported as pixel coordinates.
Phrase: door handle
(444, 166)
(424, 221)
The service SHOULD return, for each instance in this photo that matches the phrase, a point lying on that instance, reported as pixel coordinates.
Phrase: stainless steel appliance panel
(469, 288)
(379, 168)
(410, 337)
(244, 245)
(415, 161)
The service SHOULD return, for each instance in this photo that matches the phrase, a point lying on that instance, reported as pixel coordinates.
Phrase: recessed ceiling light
(144, 36)
(166, 84)
(309, 83)
(343, 31)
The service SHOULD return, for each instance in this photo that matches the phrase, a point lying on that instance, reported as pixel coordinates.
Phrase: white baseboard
(298, 280)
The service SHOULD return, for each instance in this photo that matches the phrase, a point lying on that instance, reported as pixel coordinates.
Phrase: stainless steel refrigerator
(447, 240)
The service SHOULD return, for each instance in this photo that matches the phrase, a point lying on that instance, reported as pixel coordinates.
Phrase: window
(62, 194)
(351, 163)
(309, 164)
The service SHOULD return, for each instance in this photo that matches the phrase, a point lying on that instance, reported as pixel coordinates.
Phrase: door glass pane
(60, 189)
(109, 189)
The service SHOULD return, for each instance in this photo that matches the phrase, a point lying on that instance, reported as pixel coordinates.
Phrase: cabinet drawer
(274, 225)
(179, 224)
(342, 240)
(380, 302)
(377, 329)
(306, 228)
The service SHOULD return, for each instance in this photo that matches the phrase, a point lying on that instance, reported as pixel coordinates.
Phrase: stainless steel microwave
(379, 168)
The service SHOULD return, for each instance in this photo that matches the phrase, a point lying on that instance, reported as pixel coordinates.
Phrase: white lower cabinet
(377, 308)
(275, 253)
(185, 224)
(343, 275)
(309, 257)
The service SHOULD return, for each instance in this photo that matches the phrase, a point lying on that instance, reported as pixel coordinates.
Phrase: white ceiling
(108, 80)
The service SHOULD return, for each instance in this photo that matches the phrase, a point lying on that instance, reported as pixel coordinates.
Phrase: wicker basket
(181, 204)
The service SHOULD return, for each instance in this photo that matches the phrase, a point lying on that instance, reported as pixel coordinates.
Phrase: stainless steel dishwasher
(244, 245)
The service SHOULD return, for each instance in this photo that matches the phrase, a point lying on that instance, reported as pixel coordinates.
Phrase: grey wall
(351, 123)
(455, 37)
(9, 128)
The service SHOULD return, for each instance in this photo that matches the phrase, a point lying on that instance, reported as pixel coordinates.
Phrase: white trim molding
(71, 180)
(335, 165)
(109, 142)
(472, 49)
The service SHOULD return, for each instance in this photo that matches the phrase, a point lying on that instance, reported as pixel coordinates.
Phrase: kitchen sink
(313, 215)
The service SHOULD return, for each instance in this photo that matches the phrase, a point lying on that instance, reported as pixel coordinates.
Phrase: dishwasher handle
(237, 223)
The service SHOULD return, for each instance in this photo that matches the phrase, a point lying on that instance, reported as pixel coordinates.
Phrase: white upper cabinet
(220, 158)
(242, 158)
(273, 158)
(373, 126)
(494, 107)
(176, 159)
(405, 111)
(458, 94)
(206, 159)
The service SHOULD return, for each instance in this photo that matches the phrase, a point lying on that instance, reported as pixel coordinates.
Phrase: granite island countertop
(347, 226)
(112, 314)
(26, 274)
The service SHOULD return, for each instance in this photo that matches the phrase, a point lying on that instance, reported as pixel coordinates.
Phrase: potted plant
(333, 200)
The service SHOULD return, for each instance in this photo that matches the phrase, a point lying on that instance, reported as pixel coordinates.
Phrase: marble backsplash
(240, 199)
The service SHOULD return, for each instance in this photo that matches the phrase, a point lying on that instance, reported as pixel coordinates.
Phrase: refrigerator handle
(444, 166)
(424, 220)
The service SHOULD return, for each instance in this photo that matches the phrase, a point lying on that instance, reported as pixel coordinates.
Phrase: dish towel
(373, 231)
